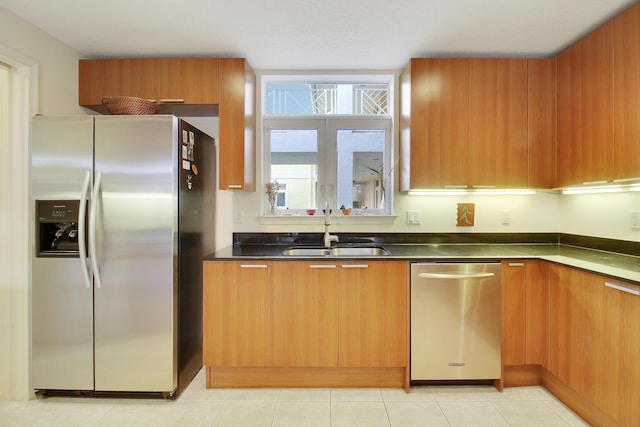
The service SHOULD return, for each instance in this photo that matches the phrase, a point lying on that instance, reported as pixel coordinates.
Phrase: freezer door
(62, 304)
(136, 225)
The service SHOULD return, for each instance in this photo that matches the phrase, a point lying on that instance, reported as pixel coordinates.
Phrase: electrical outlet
(506, 217)
(237, 216)
(413, 217)
(635, 219)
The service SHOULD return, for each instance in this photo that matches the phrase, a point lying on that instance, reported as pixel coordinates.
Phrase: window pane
(361, 176)
(326, 99)
(294, 164)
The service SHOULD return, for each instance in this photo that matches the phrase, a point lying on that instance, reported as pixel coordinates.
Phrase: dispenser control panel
(57, 228)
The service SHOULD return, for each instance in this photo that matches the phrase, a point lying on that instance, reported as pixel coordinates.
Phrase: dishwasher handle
(454, 275)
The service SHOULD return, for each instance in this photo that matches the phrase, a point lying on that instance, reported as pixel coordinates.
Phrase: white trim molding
(16, 216)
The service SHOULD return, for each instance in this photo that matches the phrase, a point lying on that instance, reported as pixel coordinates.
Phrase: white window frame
(286, 122)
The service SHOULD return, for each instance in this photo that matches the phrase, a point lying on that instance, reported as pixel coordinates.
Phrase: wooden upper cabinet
(464, 124)
(100, 78)
(585, 109)
(498, 145)
(188, 80)
(91, 74)
(237, 142)
(435, 123)
(626, 94)
(542, 122)
(176, 82)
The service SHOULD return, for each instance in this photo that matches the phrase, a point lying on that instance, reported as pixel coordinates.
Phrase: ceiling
(317, 34)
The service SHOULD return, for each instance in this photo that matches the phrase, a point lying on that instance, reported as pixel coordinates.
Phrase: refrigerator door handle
(92, 230)
(82, 223)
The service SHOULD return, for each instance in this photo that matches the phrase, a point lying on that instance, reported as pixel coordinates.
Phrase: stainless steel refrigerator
(123, 212)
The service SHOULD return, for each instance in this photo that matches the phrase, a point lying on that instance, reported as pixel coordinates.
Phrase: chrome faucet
(328, 238)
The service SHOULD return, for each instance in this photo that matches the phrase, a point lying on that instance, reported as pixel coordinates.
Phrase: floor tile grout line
(443, 413)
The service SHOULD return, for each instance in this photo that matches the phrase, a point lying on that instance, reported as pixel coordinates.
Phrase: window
(329, 143)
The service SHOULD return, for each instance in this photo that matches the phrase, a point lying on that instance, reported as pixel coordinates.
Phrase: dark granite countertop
(454, 247)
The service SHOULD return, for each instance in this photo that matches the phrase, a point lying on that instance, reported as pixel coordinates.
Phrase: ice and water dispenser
(57, 228)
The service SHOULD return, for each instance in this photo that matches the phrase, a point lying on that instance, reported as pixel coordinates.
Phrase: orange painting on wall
(466, 214)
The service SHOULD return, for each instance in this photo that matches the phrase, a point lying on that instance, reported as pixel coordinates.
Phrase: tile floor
(475, 406)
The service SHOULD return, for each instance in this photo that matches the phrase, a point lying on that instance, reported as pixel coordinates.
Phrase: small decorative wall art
(466, 214)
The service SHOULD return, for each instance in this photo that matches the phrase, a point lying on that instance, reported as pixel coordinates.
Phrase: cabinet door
(498, 146)
(435, 145)
(236, 314)
(585, 110)
(373, 314)
(537, 313)
(525, 328)
(91, 78)
(190, 81)
(584, 346)
(100, 78)
(514, 281)
(626, 86)
(305, 314)
(237, 146)
(542, 127)
(625, 307)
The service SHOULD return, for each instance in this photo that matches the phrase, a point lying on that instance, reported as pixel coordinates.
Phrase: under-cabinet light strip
(601, 189)
(488, 192)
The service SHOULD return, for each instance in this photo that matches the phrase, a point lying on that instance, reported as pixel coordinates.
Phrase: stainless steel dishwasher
(456, 321)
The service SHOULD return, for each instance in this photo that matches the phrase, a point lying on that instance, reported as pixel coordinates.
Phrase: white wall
(58, 63)
(600, 215)
(528, 213)
(55, 91)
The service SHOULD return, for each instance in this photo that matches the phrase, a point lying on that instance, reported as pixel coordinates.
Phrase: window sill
(319, 219)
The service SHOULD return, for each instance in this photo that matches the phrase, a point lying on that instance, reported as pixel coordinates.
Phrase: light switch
(413, 217)
(635, 219)
(506, 217)
(237, 216)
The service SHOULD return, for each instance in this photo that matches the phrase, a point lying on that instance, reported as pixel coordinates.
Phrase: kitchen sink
(337, 251)
(355, 251)
(307, 251)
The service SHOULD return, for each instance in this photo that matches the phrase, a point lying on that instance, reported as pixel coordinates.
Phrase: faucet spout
(328, 237)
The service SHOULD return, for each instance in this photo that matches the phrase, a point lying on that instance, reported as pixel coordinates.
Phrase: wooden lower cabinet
(373, 314)
(576, 333)
(304, 315)
(306, 324)
(594, 345)
(236, 313)
(525, 297)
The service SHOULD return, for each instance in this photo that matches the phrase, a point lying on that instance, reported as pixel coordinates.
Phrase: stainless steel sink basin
(337, 251)
(355, 251)
(294, 251)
